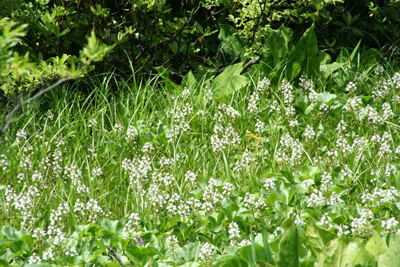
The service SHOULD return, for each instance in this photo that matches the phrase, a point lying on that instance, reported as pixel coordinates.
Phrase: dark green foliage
(200, 36)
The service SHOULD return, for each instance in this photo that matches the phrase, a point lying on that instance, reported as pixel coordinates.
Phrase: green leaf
(228, 82)
(94, 50)
(278, 45)
(246, 253)
(112, 226)
(316, 237)
(191, 264)
(309, 171)
(4, 263)
(327, 69)
(235, 261)
(363, 256)
(230, 42)
(288, 254)
(189, 80)
(325, 97)
(392, 256)
(8, 231)
(138, 252)
(337, 254)
(376, 245)
(188, 252)
(304, 56)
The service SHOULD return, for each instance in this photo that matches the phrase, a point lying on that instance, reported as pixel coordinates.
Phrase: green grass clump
(285, 174)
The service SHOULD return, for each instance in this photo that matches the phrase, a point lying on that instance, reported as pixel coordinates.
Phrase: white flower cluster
(91, 208)
(227, 110)
(306, 84)
(287, 89)
(309, 132)
(224, 137)
(244, 163)
(269, 185)
(343, 146)
(54, 230)
(316, 199)
(227, 189)
(343, 230)
(190, 176)
(351, 87)
(3, 162)
(380, 196)
(23, 203)
(21, 135)
(131, 133)
(291, 150)
(252, 106)
(92, 123)
(274, 106)
(96, 171)
(250, 202)
(264, 84)
(211, 193)
(390, 226)
(137, 168)
(34, 259)
(130, 227)
(373, 116)
(118, 128)
(361, 226)
(326, 221)
(385, 145)
(147, 147)
(260, 126)
(74, 174)
(326, 182)
(207, 94)
(353, 105)
(234, 231)
(207, 250)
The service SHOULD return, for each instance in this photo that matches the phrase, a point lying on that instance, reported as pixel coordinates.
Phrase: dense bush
(199, 36)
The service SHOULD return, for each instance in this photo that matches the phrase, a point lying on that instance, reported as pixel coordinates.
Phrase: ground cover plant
(239, 170)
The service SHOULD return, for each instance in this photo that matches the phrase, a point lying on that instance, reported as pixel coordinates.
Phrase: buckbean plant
(172, 177)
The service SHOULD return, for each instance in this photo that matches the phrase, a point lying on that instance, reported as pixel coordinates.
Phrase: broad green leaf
(112, 226)
(246, 253)
(337, 254)
(309, 171)
(392, 256)
(228, 82)
(230, 42)
(188, 252)
(316, 237)
(278, 45)
(191, 264)
(288, 254)
(363, 256)
(138, 252)
(189, 80)
(4, 263)
(325, 97)
(324, 58)
(376, 245)
(304, 56)
(235, 261)
(327, 69)
(8, 231)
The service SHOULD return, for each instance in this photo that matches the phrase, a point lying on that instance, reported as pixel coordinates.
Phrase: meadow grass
(168, 176)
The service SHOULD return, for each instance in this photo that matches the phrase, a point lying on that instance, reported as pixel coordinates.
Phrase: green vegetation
(234, 171)
(148, 134)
